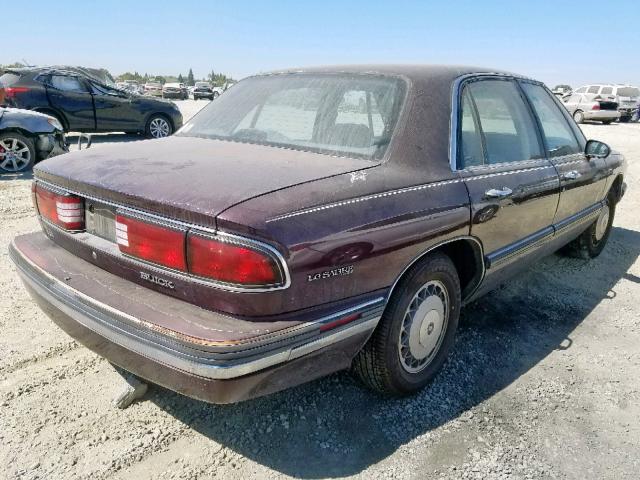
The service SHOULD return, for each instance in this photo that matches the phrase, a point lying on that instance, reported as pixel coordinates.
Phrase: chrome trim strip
(531, 241)
(415, 188)
(225, 236)
(90, 318)
(540, 237)
(582, 216)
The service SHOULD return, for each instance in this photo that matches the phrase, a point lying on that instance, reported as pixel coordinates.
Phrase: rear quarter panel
(349, 235)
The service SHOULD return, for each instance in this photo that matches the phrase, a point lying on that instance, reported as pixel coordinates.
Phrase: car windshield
(628, 92)
(351, 115)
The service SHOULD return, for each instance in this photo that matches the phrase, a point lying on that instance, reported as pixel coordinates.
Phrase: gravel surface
(543, 382)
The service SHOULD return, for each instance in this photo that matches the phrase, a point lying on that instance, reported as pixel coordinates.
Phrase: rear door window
(593, 89)
(67, 84)
(606, 90)
(558, 134)
(507, 127)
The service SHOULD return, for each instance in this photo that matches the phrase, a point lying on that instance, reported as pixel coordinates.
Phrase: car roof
(411, 71)
(101, 76)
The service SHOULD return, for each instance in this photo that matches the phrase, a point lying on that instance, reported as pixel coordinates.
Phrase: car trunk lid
(185, 178)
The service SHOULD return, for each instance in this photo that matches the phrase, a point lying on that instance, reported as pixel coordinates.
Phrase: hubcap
(423, 326)
(159, 128)
(14, 155)
(602, 223)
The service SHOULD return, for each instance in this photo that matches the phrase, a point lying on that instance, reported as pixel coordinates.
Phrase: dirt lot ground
(543, 382)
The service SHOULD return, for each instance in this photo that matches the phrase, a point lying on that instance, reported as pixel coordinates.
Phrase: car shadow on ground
(333, 427)
(98, 138)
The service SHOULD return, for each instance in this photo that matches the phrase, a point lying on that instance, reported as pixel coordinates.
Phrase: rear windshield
(351, 115)
(8, 79)
(628, 92)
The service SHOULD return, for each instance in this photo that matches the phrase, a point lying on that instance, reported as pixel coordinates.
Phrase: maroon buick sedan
(314, 220)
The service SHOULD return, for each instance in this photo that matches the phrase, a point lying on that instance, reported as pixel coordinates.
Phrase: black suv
(84, 103)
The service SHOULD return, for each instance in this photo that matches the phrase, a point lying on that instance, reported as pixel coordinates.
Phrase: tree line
(217, 79)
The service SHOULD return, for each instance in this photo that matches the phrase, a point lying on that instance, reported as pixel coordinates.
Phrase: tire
(432, 289)
(578, 116)
(17, 152)
(592, 241)
(607, 122)
(158, 126)
(625, 119)
(215, 95)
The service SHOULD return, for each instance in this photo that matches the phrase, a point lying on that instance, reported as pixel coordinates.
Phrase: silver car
(626, 96)
(582, 108)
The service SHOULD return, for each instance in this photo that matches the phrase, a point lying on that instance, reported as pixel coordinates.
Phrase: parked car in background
(203, 90)
(175, 90)
(260, 228)
(27, 137)
(582, 108)
(626, 96)
(132, 86)
(217, 91)
(561, 90)
(153, 88)
(82, 104)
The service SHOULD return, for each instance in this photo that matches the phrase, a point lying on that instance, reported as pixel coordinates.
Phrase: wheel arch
(617, 187)
(467, 256)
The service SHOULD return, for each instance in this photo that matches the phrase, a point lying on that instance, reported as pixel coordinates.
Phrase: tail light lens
(155, 243)
(11, 92)
(231, 262)
(66, 211)
(596, 107)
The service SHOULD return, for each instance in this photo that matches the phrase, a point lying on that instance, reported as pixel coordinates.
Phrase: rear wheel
(17, 152)
(215, 95)
(592, 241)
(416, 331)
(607, 122)
(158, 127)
(578, 116)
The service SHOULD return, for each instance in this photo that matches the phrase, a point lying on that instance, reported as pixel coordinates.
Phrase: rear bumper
(601, 114)
(226, 367)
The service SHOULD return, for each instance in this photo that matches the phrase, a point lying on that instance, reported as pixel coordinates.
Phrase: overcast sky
(573, 42)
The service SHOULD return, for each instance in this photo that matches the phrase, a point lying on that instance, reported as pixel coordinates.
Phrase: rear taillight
(11, 92)
(596, 107)
(66, 211)
(230, 262)
(153, 242)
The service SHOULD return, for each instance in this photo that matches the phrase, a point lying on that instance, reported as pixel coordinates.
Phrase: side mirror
(597, 149)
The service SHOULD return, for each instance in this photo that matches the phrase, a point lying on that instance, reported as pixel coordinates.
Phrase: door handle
(572, 175)
(503, 192)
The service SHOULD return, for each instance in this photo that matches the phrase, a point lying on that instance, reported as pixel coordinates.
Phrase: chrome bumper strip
(101, 321)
